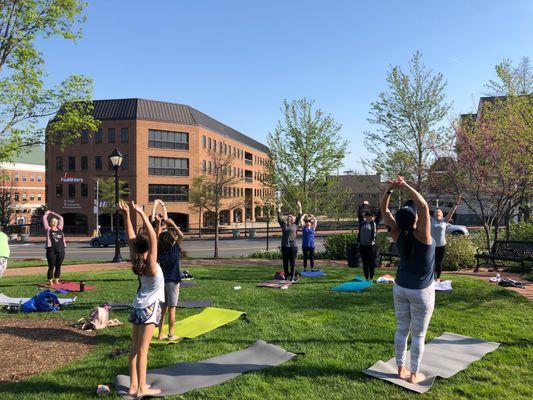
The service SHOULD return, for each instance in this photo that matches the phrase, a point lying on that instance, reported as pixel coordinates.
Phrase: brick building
(22, 185)
(165, 145)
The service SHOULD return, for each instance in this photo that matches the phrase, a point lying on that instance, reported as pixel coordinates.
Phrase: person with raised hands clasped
(289, 248)
(438, 232)
(146, 311)
(413, 292)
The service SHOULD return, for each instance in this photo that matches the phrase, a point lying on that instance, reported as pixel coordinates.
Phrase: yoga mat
(15, 301)
(183, 377)
(187, 284)
(198, 324)
(355, 285)
(181, 304)
(444, 356)
(70, 286)
(313, 274)
(276, 283)
(443, 286)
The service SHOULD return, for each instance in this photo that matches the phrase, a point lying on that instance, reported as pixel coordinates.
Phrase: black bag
(353, 256)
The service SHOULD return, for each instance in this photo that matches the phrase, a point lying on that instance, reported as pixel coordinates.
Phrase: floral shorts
(148, 315)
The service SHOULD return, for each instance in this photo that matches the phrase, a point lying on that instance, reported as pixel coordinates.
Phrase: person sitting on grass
(289, 249)
(414, 288)
(308, 240)
(168, 250)
(146, 311)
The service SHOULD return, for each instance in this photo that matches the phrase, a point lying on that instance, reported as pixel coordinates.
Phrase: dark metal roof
(122, 109)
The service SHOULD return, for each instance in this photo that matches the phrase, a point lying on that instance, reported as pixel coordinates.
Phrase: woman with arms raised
(146, 311)
(414, 293)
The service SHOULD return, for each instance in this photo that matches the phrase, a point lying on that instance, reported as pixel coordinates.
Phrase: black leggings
(309, 254)
(289, 258)
(55, 259)
(439, 258)
(369, 256)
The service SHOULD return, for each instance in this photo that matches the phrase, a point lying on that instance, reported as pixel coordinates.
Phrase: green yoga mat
(209, 319)
(355, 285)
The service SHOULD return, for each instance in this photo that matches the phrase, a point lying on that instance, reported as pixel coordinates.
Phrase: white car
(456, 230)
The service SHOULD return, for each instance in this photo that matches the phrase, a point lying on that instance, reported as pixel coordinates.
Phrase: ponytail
(139, 265)
(408, 248)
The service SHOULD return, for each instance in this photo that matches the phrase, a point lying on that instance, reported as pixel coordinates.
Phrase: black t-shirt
(56, 240)
(170, 264)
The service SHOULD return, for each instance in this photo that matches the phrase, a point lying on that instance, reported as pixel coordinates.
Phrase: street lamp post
(116, 158)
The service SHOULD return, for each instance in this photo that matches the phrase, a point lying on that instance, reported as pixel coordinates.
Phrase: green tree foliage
(7, 204)
(408, 115)
(306, 148)
(106, 189)
(25, 100)
(199, 197)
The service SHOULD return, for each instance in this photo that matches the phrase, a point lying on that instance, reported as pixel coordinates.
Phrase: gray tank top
(416, 272)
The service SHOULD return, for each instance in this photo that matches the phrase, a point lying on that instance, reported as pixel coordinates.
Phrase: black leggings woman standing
(55, 245)
(438, 232)
(289, 248)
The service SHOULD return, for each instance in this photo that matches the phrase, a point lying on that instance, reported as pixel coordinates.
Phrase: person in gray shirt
(367, 243)
(438, 232)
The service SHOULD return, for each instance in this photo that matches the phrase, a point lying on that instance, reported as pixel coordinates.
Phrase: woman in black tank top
(414, 294)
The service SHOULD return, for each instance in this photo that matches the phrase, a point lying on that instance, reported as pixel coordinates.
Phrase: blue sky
(238, 60)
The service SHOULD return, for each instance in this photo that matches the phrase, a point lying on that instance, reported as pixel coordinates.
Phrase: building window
(59, 190)
(71, 163)
(84, 162)
(24, 178)
(24, 196)
(59, 163)
(39, 178)
(204, 140)
(99, 136)
(204, 166)
(111, 135)
(39, 197)
(209, 146)
(97, 162)
(17, 196)
(170, 193)
(16, 177)
(168, 166)
(32, 197)
(84, 136)
(84, 190)
(124, 135)
(168, 140)
(32, 178)
(71, 190)
(125, 162)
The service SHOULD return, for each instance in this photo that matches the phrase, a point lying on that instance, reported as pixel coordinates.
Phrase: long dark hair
(408, 248)
(165, 241)
(141, 244)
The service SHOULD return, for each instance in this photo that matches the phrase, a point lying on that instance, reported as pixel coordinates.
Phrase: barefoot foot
(403, 373)
(417, 378)
(148, 392)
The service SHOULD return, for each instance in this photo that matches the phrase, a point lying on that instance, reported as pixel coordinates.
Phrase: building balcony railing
(249, 162)
(248, 180)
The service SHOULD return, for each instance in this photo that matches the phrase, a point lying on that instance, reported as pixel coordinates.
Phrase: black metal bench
(508, 250)
(392, 253)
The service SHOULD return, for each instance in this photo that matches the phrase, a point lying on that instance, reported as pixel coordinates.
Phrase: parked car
(108, 238)
(456, 230)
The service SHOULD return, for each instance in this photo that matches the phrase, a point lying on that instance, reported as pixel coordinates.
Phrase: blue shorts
(148, 315)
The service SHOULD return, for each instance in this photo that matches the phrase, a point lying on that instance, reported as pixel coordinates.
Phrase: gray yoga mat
(181, 304)
(183, 377)
(443, 356)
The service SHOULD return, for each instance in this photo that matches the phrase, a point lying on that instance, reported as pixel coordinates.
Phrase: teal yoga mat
(355, 285)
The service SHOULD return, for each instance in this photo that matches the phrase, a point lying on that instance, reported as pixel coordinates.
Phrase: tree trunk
(200, 223)
(215, 255)
(486, 228)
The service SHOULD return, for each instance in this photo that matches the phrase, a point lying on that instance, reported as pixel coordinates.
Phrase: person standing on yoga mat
(368, 247)
(414, 291)
(289, 248)
(168, 250)
(146, 310)
(55, 245)
(438, 232)
(308, 240)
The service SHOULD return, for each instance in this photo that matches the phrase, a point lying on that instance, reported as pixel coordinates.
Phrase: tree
(106, 194)
(6, 198)
(306, 147)
(24, 98)
(268, 198)
(408, 115)
(198, 197)
(217, 184)
(492, 167)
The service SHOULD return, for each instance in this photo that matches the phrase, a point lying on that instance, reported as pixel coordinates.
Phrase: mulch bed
(32, 345)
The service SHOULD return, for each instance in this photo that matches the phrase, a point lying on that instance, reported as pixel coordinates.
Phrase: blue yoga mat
(313, 274)
(355, 285)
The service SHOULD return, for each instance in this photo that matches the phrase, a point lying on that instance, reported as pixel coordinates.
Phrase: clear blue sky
(238, 60)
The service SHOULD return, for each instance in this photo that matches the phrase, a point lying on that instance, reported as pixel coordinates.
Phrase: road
(194, 248)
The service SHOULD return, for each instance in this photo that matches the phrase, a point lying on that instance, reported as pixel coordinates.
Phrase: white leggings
(414, 308)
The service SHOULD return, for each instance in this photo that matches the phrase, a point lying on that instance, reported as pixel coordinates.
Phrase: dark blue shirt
(417, 272)
(308, 237)
(170, 264)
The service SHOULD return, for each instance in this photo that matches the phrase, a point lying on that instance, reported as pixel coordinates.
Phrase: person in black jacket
(289, 247)
(368, 247)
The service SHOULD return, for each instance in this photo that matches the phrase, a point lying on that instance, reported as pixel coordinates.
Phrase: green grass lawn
(43, 263)
(340, 334)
